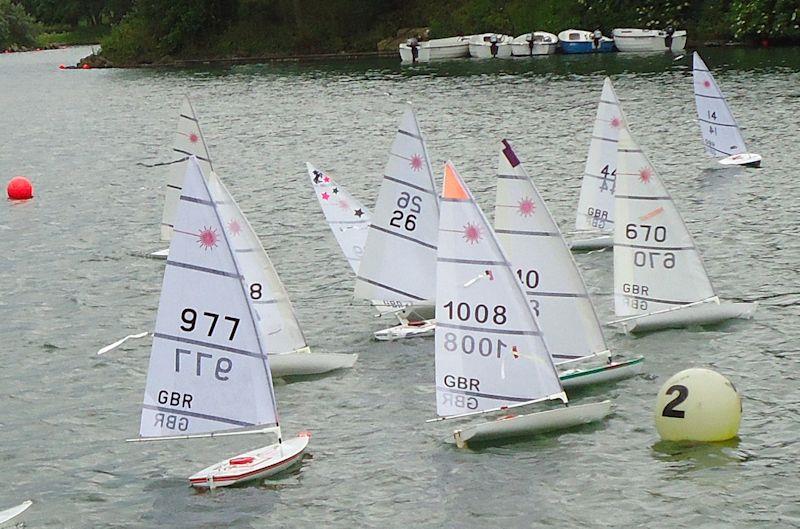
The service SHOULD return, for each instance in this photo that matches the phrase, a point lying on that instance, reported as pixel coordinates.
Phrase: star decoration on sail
(472, 233)
(234, 227)
(193, 137)
(616, 122)
(335, 190)
(325, 196)
(326, 179)
(416, 162)
(526, 207)
(645, 174)
(208, 238)
(358, 213)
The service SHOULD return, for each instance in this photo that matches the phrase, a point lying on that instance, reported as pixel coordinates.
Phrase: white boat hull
(514, 426)
(8, 515)
(523, 50)
(746, 159)
(484, 50)
(299, 363)
(702, 314)
(255, 464)
(595, 243)
(609, 372)
(407, 330)
(640, 40)
(431, 50)
(160, 254)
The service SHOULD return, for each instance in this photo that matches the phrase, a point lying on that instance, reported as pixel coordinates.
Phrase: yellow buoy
(698, 405)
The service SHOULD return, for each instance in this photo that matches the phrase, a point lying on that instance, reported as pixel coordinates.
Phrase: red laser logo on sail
(707, 83)
(234, 227)
(526, 207)
(472, 233)
(616, 122)
(645, 174)
(208, 238)
(416, 162)
(193, 137)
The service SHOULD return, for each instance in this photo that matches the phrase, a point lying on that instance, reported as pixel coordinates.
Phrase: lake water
(74, 277)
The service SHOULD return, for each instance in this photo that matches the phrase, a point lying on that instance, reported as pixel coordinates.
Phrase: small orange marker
(453, 187)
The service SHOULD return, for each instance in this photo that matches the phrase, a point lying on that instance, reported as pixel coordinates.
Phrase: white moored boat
(490, 45)
(582, 41)
(7, 515)
(188, 142)
(630, 39)
(594, 221)
(720, 132)
(659, 277)
(551, 280)
(431, 50)
(491, 353)
(536, 43)
(399, 261)
(209, 372)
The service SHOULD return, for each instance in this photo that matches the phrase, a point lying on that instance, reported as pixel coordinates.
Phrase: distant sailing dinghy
(551, 280)
(11, 514)
(491, 354)
(189, 141)
(209, 372)
(595, 217)
(720, 132)
(659, 277)
(289, 354)
(399, 262)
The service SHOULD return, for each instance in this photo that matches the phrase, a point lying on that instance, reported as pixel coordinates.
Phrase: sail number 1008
(480, 313)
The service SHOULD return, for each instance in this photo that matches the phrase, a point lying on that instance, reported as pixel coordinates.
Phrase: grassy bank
(65, 36)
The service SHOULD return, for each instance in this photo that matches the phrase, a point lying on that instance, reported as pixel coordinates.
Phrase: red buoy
(86, 66)
(61, 67)
(19, 188)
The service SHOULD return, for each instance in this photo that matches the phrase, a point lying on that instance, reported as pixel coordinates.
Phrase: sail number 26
(189, 319)
(404, 211)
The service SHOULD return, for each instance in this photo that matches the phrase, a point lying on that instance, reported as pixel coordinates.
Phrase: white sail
(656, 264)
(346, 216)
(544, 264)
(720, 132)
(274, 313)
(399, 262)
(208, 367)
(596, 202)
(489, 348)
(189, 141)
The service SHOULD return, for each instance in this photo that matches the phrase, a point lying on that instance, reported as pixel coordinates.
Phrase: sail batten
(400, 251)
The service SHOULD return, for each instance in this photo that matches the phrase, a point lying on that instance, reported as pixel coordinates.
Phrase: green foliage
(17, 27)
(65, 35)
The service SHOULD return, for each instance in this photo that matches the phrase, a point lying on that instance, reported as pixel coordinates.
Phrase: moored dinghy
(582, 41)
(551, 280)
(643, 40)
(399, 261)
(720, 132)
(594, 222)
(490, 45)
(659, 277)
(209, 374)
(188, 142)
(286, 345)
(430, 50)
(491, 354)
(535, 43)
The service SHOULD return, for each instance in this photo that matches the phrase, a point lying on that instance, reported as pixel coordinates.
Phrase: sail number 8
(406, 200)
(481, 313)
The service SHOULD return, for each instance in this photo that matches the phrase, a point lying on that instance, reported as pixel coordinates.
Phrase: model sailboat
(720, 132)
(399, 261)
(491, 353)
(275, 316)
(209, 372)
(595, 218)
(659, 277)
(189, 141)
(553, 285)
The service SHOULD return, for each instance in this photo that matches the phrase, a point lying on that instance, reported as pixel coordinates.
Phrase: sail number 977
(485, 347)
(480, 313)
(221, 365)
(406, 216)
(189, 319)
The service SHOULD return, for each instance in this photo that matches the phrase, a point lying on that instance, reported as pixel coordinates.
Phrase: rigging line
(163, 163)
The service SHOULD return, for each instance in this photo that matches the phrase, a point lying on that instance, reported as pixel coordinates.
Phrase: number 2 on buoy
(669, 409)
